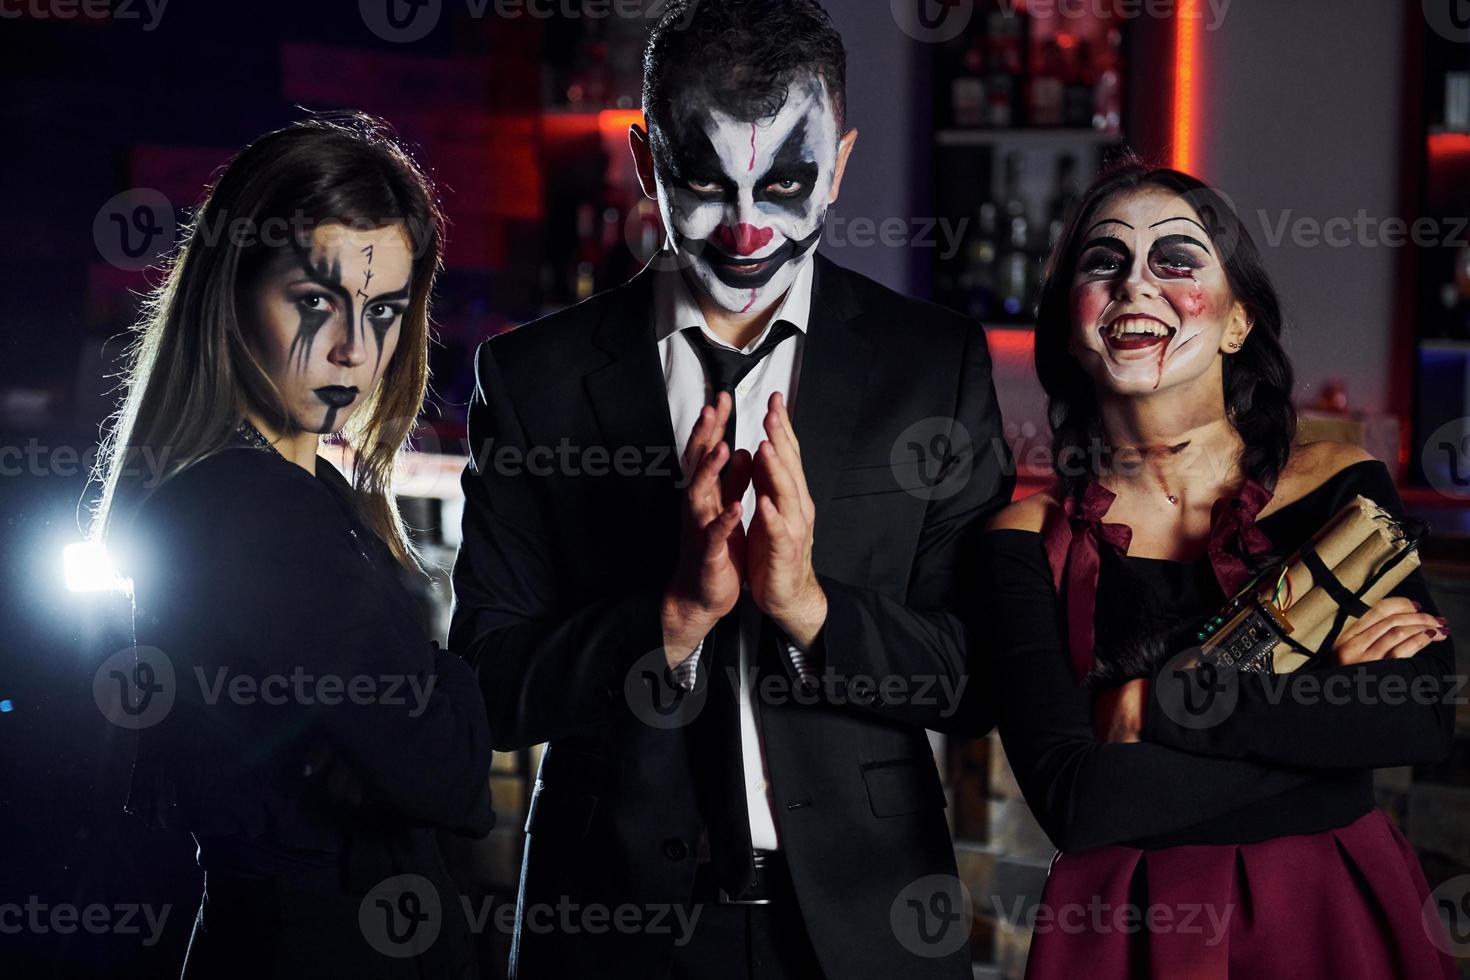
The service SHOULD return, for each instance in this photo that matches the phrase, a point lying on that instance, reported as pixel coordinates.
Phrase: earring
(1234, 345)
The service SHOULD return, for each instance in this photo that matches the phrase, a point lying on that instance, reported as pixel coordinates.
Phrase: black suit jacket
(557, 589)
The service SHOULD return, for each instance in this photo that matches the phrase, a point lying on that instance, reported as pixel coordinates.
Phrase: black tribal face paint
(744, 201)
(313, 318)
(327, 323)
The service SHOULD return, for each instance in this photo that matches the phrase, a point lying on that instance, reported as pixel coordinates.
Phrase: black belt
(772, 882)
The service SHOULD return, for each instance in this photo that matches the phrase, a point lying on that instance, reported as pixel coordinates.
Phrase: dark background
(1313, 109)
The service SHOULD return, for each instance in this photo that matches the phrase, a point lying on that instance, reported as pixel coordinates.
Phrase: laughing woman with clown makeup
(317, 738)
(1250, 846)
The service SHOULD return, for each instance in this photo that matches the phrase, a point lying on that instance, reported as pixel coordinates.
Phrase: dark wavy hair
(744, 54)
(1257, 378)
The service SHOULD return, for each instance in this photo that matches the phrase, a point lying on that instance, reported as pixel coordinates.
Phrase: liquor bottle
(978, 280)
(1012, 201)
(1004, 32)
(1015, 271)
(1081, 80)
(1015, 262)
(968, 105)
(1064, 197)
(1107, 103)
(1046, 91)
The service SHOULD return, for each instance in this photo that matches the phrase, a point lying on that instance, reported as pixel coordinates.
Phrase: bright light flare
(89, 569)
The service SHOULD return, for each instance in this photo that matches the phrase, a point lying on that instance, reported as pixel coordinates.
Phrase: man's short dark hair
(744, 54)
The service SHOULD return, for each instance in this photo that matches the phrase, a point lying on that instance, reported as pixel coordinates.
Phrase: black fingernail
(1431, 633)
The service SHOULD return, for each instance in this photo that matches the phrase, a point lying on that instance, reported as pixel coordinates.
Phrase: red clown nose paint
(741, 239)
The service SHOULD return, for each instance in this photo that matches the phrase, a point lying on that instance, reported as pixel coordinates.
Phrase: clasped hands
(717, 555)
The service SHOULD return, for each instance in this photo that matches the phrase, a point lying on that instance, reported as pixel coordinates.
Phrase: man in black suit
(732, 624)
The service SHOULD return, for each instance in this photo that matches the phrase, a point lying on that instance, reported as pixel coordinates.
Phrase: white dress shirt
(688, 392)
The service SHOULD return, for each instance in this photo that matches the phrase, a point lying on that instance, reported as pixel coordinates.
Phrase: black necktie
(720, 760)
(726, 368)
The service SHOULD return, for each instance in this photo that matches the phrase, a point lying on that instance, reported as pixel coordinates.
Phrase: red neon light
(1186, 83)
(618, 120)
(1013, 345)
(1445, 145)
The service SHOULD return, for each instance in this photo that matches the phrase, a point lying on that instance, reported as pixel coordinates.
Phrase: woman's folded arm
(1085, 793)
(1388, 712)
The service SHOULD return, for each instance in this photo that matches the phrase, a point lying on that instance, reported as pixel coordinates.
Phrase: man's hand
(782, 581)
(1117, 713)
(706, 583)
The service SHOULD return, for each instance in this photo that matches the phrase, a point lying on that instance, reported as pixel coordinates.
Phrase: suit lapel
(629, 401)
(834, 371)
(627, 392)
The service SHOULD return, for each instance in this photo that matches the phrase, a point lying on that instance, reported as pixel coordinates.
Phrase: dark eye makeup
(1173, 255)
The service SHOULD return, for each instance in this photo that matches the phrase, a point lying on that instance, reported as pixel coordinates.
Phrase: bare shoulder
(1027, 514)
(1312, 464)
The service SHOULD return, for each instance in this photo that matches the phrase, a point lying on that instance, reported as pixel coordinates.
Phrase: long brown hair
(193, 369)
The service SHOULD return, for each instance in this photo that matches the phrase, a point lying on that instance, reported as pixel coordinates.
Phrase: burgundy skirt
(1344, 904)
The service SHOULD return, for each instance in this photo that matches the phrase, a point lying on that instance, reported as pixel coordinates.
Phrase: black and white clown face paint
(744, 201)
(329, 318)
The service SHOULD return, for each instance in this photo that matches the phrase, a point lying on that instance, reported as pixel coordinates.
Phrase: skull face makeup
(1151, 306)
(745, 200)
(328, 320)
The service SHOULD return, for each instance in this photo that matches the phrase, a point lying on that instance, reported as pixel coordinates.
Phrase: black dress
(316, 737)
(1266, 815)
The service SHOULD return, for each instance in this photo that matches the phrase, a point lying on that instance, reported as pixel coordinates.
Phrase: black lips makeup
(745, 201)
(335, 397)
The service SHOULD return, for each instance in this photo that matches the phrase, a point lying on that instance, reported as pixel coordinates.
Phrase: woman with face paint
(312, 737)
(1242, 842)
